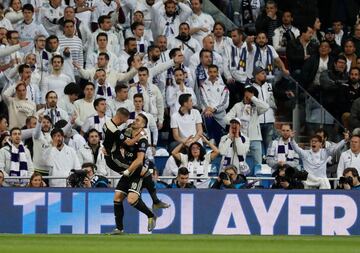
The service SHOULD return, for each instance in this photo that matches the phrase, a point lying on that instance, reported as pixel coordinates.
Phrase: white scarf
(284, 152)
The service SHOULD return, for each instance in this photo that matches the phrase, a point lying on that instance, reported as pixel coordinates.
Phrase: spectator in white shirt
(97, 120)
(92, 152)
(138, 33)
(66, 102)
(81, 30)
(102, 47)
(221, 41)
(316, 159)
(161, 42)
(62, 159)
(29, 29)
(130, 48)
(139, 17)
(233, 147)
(186, 122)
(4, 22)
(51, 12)
(266, 57)
(153, 100)
(105, 26)
(19, 107)
(52, 110)
(102, 8)
(15, 159)
(337, 27)
(102, 88)
(201, 24)
(217, 59)
(214, 101)
(174, 91)
(71, 41)
(32, 89)
(166, 18)
(57, 80)
(185, 42)
(248, 112)
(120, 100)
(14, 12)
(113, 76)
(280, 152)
(284, 33)
(351, 157)
(84, 107)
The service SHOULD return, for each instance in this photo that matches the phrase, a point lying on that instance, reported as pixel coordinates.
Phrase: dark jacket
(175, 184)
(239, 183)
(355, 114)
(310, 68)
(295, 54)
(331, 84)
(263, 25)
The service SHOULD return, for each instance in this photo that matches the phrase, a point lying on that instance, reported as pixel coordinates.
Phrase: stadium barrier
(265, 212)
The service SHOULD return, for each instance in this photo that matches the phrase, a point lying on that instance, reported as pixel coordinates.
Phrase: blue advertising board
(266, 212)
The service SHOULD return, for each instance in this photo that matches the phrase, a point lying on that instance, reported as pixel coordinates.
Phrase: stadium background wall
(81, 211)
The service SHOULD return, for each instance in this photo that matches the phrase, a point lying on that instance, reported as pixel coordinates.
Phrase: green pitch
(175, 243)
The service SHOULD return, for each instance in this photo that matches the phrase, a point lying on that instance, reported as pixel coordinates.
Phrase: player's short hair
(57, 57)
(89, 83)
(183, 98)
(203, 51)
(22, 67)
(128, 40)
(97, 102)
(183, 171)
(144, 118)
(120, 87)
(56, 131)
(102, 19)
(317, 137)
(14, 129)
(105, 55)
(213, 66)
(143, 69)
(136, 25)
(28, 7)
(173, 52)
(48, 94)
(68, 21)
(101, 35)
(123, 111)
(138, 95)
(179, 69)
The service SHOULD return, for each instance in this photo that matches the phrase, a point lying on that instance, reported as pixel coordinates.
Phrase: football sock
(140, 205)
(119, 214)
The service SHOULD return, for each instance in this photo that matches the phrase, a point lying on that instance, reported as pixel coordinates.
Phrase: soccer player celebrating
(125, 152)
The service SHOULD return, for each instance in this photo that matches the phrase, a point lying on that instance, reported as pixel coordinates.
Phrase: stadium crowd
(66, 67)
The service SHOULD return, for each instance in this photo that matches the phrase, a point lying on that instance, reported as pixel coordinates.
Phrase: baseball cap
(235, 120)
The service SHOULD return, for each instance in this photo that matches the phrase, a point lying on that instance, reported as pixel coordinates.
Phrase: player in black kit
(126, 153)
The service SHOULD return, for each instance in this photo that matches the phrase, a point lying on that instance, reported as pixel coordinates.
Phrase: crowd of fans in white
(71, 64)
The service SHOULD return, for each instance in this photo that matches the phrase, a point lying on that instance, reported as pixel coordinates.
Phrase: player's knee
(132, 199)
(119, 196)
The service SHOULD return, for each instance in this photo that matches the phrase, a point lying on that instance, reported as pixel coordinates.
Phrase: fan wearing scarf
(98, 119)
(103, 88)
(233, 147)
(280, 152)
(266, 57)
(188, 45)
(15, 159)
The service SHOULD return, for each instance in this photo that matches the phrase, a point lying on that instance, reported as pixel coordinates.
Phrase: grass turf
(175, 243)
